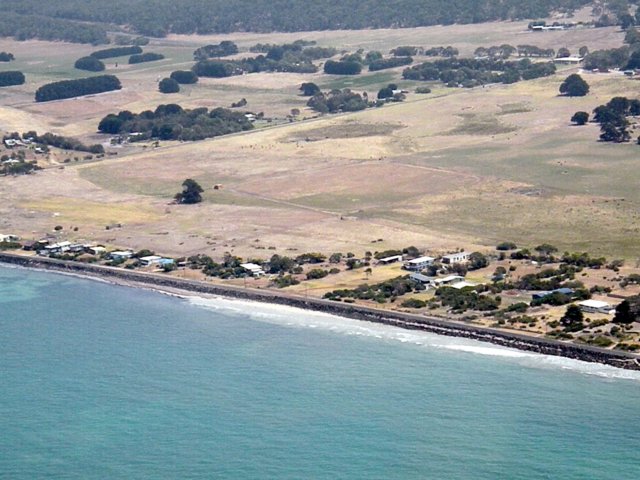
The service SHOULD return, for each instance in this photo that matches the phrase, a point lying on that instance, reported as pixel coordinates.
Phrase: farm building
(423, 279)
(596, 306)
(460, 257)
(150, 260)
(121, 255)
(391, 259)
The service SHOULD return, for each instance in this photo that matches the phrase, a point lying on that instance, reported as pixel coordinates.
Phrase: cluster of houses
(24, 142)
(48, 249)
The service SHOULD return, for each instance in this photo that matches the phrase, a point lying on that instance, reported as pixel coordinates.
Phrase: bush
(316, 273)
(168, 85)
(90, 64)
(414, 303)
(184, 77)
(504, 246)
(423, 90)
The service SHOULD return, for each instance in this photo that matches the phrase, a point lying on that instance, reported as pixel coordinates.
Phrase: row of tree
(77, 88)
(172, 122)
(10, 78)
(468, 72)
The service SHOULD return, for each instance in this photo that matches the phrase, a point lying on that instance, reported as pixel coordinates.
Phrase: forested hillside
(159, 17)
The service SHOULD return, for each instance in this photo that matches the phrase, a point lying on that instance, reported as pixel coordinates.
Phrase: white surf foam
(297, 318)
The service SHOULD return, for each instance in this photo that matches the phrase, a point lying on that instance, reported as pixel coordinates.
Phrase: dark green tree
(624, 315)
(91, 64)
(574, 86)
(309, 89)
(580, 118)
(168, 85)
(572, 319)
(190, 193)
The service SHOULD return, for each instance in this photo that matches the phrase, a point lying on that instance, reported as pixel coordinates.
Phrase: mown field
(455, 168)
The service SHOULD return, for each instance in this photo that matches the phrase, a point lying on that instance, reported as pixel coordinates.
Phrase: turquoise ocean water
(106, 382)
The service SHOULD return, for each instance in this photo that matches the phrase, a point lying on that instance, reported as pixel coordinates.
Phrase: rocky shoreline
(402, 320)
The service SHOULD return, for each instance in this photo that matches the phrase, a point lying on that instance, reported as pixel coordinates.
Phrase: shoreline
(407, 321)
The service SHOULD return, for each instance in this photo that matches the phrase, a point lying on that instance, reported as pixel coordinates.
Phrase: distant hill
(160, 17)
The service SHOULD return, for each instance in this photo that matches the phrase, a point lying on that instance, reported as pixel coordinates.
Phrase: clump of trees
(6, 57)
(191, 192)
(441, 52)
(338, 101)
(382, 292)
(184, 77)
(385, 63)
(603, 60)
(612, 117)
(347, 67)
(145, 57)
(574, 86)
(503, 51)
(91, 64)
(65, 143)
(172, 122)
(77, 88)
(469, 72)
(8, 79)
(222, 49)
(116, 52)
(168, 85)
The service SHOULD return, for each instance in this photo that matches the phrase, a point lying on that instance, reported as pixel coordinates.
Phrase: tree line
(8, 79)
(32, 25)
(160, 17)
(172, 122)
(77, 88)
(469, 72)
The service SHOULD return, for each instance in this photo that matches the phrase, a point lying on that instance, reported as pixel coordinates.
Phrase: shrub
(316, 273)
(342, 68)
(414, 303)
(574, 86)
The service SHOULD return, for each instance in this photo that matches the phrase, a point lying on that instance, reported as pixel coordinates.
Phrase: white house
(448, 280)
(8, 238)
(150, 260)
(121, 255)
(460, 257)
(419, 263)
(253, 268)
(95, 250)
(423, 279)
(60, 247)
(596, 306)
(391, 259)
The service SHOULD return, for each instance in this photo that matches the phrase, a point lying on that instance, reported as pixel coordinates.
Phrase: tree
(168, 85)
(572, 319)
(385, 93)
(309, 89)
(583, 51)
(614, 133)
(624, 315)
(184, 77)
(563, 53)
(477, 261)
(574, 86)
(580, 118)
(190, 193)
